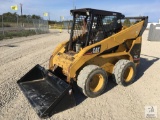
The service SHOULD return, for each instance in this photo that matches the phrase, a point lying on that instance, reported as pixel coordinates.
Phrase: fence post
(34, 25)
(28, 22)
(17, 20)
(39, 29)
(2, 25)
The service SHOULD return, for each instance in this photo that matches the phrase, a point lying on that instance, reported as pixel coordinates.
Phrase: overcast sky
(58, 8)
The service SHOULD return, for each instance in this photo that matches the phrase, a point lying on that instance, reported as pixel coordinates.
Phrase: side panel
(108, 61)
(81, 58)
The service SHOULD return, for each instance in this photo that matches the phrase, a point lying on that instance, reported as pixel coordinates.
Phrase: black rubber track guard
(46, 93)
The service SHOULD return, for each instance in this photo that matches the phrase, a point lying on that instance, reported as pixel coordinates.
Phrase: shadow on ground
(145, 63)
(79, 97)
(11, 45)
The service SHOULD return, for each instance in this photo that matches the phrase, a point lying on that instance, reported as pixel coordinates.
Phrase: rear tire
(92, 81)
(124, 72)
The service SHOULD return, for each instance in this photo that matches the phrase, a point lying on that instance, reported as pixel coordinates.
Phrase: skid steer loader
(102, 43)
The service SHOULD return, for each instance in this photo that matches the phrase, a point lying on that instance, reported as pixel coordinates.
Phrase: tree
(127, 22)
(36, 16)
(24, 16)
(9, 17)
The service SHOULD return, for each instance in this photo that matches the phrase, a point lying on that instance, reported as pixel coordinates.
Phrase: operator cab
(91, 26)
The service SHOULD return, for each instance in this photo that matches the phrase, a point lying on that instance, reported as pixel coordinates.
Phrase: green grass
(12, 34)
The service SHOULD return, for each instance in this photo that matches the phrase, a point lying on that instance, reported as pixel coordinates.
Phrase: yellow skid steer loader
(102, 43)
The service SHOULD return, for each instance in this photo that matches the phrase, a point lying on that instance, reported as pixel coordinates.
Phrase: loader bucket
(46, 93)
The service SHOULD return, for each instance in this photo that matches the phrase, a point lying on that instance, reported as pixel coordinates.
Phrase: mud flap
(46, 93)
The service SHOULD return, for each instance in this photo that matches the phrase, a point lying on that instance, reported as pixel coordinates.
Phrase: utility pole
(74, 7)
(21, 13)
(21, 8)
(49, 16)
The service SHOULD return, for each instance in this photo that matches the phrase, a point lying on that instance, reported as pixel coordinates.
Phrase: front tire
(92, 81)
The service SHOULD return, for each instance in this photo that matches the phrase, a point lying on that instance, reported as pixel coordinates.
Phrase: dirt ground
(19, 55)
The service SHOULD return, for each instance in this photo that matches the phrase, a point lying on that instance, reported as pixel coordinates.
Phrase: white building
(148, 25)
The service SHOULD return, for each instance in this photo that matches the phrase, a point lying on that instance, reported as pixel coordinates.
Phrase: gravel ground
(19, 55)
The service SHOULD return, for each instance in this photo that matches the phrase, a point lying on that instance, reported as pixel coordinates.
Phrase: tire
(124, 72)
(92, 81)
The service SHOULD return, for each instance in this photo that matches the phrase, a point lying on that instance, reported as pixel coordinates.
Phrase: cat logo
(96, 49)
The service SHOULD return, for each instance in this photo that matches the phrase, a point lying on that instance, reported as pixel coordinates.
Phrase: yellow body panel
(71, 64)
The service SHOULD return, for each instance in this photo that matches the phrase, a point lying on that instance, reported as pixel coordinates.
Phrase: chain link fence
(17, 26)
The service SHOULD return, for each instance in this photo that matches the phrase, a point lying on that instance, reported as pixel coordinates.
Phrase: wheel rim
(96, 82)
(128, 74)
